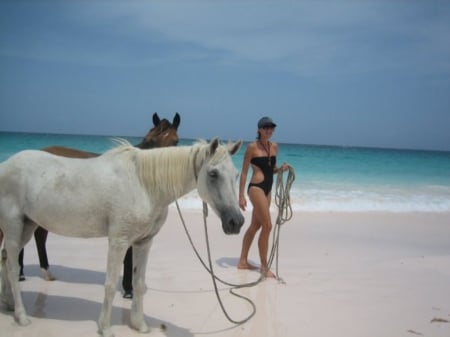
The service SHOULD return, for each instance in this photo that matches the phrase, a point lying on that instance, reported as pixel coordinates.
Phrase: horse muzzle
(232, 225)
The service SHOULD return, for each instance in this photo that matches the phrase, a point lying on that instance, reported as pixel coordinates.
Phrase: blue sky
(348, 72)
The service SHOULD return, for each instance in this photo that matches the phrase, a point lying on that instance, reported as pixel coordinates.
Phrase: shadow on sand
(74, 309)
(68, 308)
(68, 274)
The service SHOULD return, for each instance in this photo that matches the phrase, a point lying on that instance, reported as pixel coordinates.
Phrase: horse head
(162, 134)
(216, 184)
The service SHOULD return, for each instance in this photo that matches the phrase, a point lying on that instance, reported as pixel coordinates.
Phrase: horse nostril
(233, 224)
(234, 227)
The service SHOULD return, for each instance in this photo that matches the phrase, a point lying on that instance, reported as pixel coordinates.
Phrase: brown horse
(162, 134)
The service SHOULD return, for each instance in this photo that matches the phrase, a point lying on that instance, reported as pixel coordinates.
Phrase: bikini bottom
(262, 185)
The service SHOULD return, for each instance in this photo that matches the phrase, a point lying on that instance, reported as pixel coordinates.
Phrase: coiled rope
(282, 201)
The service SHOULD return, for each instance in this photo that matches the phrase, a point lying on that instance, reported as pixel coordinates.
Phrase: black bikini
(266, 164)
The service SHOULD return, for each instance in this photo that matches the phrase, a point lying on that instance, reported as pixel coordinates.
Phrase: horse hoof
(142, 327)
(47, 275)
(106, 333)
(128, 294)
(23, 320)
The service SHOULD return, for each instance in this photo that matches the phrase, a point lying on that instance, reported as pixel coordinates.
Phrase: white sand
(349, 275)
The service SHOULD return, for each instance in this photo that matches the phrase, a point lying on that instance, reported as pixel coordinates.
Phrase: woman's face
(266, 131)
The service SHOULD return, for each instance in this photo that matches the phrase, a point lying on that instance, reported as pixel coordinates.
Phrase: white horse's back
(62, 193)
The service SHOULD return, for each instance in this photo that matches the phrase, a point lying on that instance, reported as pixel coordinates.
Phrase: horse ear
(156, 119)
(176, 121)
(234, 148)
(213, 145)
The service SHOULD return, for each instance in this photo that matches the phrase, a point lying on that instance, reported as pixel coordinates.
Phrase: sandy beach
(346, 274)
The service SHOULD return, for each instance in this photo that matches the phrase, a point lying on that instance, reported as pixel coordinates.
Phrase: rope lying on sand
(283, 203)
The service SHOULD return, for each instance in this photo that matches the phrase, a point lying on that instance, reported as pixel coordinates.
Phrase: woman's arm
(283, 166)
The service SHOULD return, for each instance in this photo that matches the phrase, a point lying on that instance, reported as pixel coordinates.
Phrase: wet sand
(349, 275)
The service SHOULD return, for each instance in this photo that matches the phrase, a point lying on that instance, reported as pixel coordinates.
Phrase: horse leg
(21, 273)
(6, 294)
(128, 273)
(40, 236)
(140, 257)
(116, 253)
(13, 244)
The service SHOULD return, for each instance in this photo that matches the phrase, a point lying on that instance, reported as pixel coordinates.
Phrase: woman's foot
(267, 273)
(246, 265)
(21, 277)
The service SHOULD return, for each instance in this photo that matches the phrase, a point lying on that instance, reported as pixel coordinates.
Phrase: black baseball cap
(266, 121)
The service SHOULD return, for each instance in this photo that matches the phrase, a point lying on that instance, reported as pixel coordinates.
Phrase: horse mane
(166, 170)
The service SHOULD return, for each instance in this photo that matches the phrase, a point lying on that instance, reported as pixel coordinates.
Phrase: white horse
(123, 194)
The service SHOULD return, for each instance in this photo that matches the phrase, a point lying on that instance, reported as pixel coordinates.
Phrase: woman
(261, 155)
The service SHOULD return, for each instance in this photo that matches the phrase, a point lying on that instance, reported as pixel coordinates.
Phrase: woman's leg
(247, 242)
(261, 212)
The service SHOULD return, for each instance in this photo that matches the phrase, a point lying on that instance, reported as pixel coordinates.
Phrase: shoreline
(355, 180)
(347, 274)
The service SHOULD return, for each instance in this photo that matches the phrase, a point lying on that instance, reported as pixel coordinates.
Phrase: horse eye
(213, 173)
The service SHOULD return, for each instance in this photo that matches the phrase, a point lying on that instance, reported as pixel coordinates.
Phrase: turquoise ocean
(328, 178)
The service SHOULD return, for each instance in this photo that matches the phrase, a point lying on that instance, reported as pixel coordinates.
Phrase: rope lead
(283, 203)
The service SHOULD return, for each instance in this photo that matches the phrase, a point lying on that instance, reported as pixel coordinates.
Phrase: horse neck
(168, 173)
(148, 144)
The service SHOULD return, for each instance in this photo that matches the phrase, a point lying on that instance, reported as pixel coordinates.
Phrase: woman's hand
(242, 202)
(282, 168)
